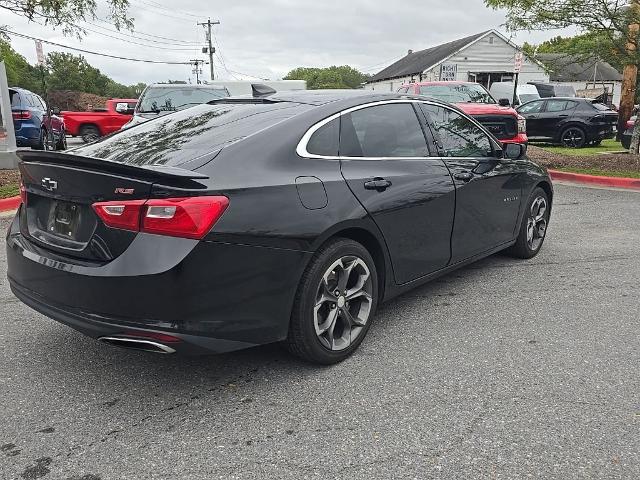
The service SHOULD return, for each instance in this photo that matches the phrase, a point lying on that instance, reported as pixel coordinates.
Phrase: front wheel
(533, 228)
(335, 303)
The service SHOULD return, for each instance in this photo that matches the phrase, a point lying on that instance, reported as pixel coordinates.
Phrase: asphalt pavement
(503, 370)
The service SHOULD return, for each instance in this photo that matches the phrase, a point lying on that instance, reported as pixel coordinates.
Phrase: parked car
(472, 98)
(628, 132)
(572, 122)
(161, 99)
(548, 90)
(100, 121)
(503, 91)
(258, 220)
(31, 122)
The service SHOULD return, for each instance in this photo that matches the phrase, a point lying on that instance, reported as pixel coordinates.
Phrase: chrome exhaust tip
(137, 344)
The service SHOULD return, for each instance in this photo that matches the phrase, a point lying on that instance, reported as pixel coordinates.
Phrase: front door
(532, 113)
(411, 197)
(487, 188)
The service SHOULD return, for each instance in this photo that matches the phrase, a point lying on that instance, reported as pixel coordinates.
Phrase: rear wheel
(89, 133)
(533, 228)
(335, 303)
(62, 143)
(43, 140)
(573, 137)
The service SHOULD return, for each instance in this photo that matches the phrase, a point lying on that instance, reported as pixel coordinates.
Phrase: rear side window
(600, 106)
(389, 130)
(325, 140)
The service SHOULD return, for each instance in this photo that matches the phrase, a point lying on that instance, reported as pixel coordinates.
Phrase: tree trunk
(630, 74)
(635, 138)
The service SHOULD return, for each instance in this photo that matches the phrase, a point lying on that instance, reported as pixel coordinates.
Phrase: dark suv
(572, 122)
(31, 122)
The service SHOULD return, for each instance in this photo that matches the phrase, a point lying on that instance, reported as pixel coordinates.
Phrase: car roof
(186, 85)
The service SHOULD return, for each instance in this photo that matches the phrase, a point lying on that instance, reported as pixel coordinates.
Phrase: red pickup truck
(473, 99)
(99, 122)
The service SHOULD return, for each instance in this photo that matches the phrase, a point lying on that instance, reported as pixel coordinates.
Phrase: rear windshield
(457, 93)
(186, 135)
(160, 99)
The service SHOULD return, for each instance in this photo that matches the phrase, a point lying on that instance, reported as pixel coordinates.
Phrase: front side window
(390, 130)
(559, 105)
(533, 107)
(458, 136)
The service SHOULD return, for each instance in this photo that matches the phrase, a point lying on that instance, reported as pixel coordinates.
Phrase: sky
(267, 38)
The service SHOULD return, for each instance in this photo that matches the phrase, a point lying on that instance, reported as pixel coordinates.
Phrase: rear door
(555, 115)
(487, 188)
(385, 161)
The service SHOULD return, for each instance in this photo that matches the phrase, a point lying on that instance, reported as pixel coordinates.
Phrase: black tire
(523, 248)
(42, 141)
(573, 137)
(303, 339)
(89, 133)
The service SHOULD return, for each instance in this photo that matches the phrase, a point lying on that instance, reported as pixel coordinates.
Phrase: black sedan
(281, 218)
(572, 122)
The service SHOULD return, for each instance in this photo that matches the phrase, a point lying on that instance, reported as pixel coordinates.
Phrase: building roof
(417, 62)
(570, 68)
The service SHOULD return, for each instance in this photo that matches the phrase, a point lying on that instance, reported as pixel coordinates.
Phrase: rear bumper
(215, 297)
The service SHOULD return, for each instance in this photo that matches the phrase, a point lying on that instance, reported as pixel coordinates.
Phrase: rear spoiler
(146, 172)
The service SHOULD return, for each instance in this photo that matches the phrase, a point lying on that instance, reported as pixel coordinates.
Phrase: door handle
(378, 183)
(464, 176)
(532, 116)
(563, 116)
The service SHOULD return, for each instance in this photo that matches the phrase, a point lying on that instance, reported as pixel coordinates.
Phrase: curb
(9, 204)
(618, 182)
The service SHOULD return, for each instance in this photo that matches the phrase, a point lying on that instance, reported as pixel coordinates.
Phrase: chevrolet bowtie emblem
(49, 184)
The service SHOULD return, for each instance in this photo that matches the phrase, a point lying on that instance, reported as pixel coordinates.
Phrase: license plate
(63, 219)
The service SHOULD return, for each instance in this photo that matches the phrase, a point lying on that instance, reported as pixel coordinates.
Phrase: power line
(173, 41)
(174, 15)
(138, 43)
(158, 5)
(89, 52)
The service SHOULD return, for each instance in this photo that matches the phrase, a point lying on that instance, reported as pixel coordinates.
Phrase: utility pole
(196, 63)
(630, 73)
(210, 49)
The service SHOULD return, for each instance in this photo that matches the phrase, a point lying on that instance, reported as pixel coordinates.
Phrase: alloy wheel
(537, 223)
(573, 137)
(343, 302)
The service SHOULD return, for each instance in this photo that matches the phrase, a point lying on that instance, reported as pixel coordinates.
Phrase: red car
(473, 99)
(100, 122)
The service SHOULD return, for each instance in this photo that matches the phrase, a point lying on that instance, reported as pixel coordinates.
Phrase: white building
(485, 58)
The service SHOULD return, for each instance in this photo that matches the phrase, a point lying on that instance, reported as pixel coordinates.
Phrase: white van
(524, 94)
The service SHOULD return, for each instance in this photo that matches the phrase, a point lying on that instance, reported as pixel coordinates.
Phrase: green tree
(19, 72)
(330, 77)
(67, 14)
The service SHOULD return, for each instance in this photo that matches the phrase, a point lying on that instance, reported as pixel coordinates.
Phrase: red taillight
(189, 217)
(123, 215)
(21, 115)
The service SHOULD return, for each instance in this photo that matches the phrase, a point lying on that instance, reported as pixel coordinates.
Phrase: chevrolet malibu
(276, 218)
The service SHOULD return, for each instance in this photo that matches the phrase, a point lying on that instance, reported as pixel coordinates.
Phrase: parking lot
(505, 369)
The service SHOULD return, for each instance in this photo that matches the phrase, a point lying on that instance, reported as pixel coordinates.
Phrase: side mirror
(55, 111)
(122, 107)
(514, 151)
(504, 102)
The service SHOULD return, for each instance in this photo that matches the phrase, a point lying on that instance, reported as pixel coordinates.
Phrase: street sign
(517, 66)
(39, 53)
(448, 72)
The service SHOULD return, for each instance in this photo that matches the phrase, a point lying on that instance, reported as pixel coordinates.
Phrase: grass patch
(609, 145)
(11, 190)
(600, 172)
